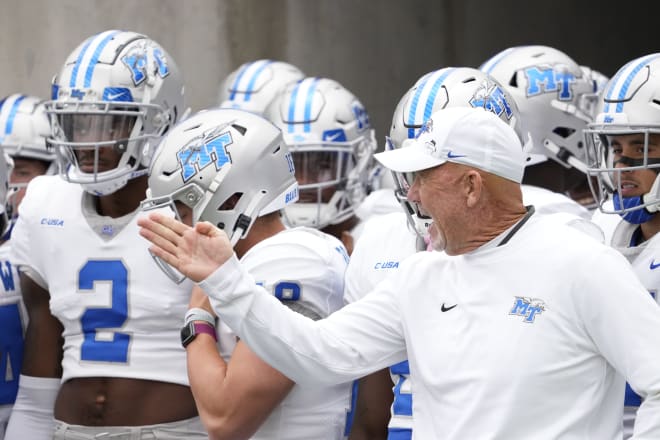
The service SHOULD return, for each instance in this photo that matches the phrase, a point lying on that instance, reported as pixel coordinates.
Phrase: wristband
(197, 314)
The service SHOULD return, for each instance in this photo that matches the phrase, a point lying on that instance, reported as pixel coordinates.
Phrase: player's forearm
(233, 399)
(206, 372)
(42, 355)
(32, 415)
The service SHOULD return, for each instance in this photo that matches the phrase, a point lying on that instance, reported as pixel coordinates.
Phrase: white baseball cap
(466, 135)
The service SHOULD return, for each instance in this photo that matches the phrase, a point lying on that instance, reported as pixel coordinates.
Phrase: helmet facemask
(323, 121)
(332, 181)
(24, 128)
(609, 170)
(418, 222)
(83, 133)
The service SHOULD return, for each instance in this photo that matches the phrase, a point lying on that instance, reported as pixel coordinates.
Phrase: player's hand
(195, 251)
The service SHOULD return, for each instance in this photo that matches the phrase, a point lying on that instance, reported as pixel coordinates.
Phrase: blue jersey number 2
(113, 349)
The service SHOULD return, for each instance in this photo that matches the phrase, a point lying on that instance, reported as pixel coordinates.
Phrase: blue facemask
(636, 217)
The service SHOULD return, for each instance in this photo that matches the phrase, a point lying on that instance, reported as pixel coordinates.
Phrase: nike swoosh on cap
(451, 155)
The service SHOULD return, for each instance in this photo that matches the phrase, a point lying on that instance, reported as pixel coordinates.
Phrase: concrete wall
(375, 48)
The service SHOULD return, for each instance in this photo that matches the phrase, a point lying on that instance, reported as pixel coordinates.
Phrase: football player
(102, 318)
(231, 168)
(328, 132)
(24, 128)
(624, 158)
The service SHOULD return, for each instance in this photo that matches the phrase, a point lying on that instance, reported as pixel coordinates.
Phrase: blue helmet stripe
(440, 76)
(95, 57)
(308, 104)
(626, 83)
(430, 102)
(292, 107)
(237, 80)
(622, 87)
(253, 80)
(490, 64)
(614, 81)
(413, 106)
(74, 71)
(9, 126)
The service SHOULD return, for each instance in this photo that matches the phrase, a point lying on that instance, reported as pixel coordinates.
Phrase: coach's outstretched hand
(194, 251)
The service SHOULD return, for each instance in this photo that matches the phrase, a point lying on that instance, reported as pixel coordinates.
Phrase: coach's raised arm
(509, 331)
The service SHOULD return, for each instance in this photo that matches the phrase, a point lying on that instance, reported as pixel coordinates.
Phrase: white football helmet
(444, 88)
(555, 98)
(254, 85)
(24, 128)
(229, 166)
(630, 104)
(117, 90)
(329, 135)
(598, 80)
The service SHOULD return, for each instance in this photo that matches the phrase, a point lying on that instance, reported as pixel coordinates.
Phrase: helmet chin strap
(245, 219)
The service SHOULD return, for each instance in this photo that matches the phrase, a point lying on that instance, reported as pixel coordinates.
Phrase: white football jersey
(377, 203)
(13, 320)
(645, 260)
(564, 208)
(121, 314)
(489, 336)
(304, 269)
(387, 241)
(550, 202)
(606, 222)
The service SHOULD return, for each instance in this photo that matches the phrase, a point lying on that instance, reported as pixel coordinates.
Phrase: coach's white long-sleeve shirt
(518, 341)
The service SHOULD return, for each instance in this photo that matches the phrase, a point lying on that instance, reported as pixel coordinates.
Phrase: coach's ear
(472, 186)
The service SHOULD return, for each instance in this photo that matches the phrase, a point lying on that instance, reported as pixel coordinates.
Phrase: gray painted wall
(375, 48)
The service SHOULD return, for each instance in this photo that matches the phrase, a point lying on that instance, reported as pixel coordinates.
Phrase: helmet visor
(93, 128)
